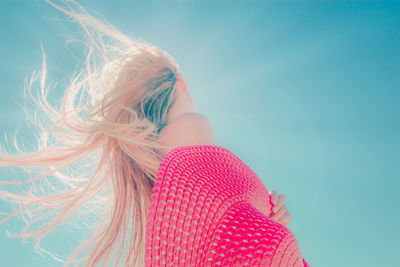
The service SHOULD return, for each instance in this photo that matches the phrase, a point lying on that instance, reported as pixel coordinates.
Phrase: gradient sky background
(305, 93)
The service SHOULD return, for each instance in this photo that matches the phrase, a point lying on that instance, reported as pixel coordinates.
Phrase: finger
(274, 197)
(279, 214)
(285, 219)
(280, 202)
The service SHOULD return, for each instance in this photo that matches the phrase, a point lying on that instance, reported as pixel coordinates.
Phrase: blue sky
(305, 93)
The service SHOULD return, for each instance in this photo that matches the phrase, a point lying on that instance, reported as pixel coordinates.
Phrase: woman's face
(188, 100)
(183, 104)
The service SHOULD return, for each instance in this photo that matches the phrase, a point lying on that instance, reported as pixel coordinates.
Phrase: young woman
(101, 148)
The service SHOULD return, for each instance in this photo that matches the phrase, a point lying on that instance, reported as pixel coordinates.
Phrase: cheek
(191, 102)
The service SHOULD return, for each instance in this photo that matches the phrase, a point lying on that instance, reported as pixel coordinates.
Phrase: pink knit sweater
(209, 209)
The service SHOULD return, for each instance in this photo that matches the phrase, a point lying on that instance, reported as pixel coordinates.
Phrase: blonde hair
(99, 149)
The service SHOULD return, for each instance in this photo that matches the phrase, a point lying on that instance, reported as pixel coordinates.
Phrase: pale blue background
(305, 93)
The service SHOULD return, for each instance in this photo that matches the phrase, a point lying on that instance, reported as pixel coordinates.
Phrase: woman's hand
(280, 212)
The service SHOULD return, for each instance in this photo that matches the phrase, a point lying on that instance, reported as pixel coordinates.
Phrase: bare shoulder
(188, 129)
(191, 119)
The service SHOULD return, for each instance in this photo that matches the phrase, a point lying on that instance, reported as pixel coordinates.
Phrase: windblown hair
(98, 150)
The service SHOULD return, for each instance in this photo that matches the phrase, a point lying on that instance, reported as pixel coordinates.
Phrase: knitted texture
(209, 209)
